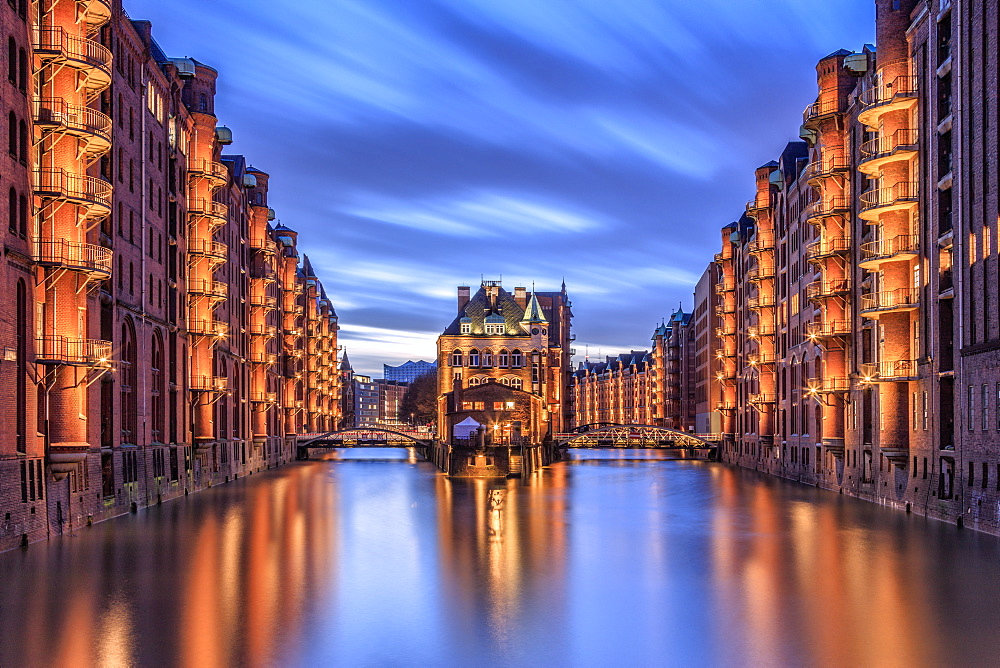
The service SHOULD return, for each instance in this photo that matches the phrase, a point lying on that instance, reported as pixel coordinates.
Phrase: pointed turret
(345, 364)
(533, 314)
(307, 268)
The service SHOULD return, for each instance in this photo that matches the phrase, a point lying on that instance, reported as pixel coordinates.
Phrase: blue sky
(417, 145)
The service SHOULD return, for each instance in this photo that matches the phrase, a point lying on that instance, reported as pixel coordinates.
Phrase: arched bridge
(361, 437)
(636, 436)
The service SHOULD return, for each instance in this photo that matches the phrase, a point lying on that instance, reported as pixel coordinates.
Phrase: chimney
(463, 297)
(521, 297)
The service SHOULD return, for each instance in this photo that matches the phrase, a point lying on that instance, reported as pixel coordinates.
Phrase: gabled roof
(345, 364)
(534, 314)
(480, 306)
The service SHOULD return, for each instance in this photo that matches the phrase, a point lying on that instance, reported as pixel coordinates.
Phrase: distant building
(366, 402)
(408, 371)
(390, 396)
(617, 390)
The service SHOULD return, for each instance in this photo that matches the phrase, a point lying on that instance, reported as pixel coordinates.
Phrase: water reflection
(611, 558)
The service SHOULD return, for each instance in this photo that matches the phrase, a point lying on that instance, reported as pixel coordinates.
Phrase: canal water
(373, 558)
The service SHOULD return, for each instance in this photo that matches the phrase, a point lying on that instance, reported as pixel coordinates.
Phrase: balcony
(202, 326)
(93, 194)
(202, 287)
(73, 352)
(762, 399)
(260, 329)
(263, 301)
(827, 385)
(262, 358)
(726, 406)
(720, 353)
(95, 261)
(215, 213)
(902, 247)
(263, 397)
(828, 329)
(215, 251)
(826, 207)
(94, 13)
(722, 332)
(758, 204)
(824, 168)
(724, 309)
(876, 304)
(829, 288)
(725, 286)
(90, 58)
(827, 247)
(830, 104)
(762, 359)
(262, 243)
(759, 245)
(214, 172)
(900, 93)
(200, 382)
(757, 331)
(887, 372)
(760, 273)
(876, 153)
(761, 302)
(89, 126)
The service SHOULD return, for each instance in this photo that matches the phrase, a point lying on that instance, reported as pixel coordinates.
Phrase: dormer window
(466, 328)
(494, 325)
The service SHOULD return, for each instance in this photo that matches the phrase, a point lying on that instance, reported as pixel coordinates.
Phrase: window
(21, 384)
(474, 357)
(11, 61)
(12, 216)
(12, 134)
(487, 358)
(515, 383)
(503, 359)
(970, 407)
(985, 407)
(516, 359)
(466, 328)
(456, 358)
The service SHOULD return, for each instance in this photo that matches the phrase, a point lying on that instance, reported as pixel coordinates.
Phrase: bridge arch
(633, 436)
(360, 434)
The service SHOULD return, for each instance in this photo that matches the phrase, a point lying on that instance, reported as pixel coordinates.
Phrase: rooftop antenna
(586, 353)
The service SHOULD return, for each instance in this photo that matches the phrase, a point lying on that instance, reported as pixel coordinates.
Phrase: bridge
(361, 437)
(639, 436)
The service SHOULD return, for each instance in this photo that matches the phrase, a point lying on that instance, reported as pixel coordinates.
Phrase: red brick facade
(162, 335)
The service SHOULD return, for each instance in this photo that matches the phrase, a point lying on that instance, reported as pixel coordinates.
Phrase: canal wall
(915, 487)
(143, 477)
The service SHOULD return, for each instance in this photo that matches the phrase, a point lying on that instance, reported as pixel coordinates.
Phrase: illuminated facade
(858, 300)
(505, 361)
(163, 336)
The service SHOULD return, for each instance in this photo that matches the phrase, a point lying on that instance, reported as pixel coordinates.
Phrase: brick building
(858, 302)
(518, 345)
(163, 336)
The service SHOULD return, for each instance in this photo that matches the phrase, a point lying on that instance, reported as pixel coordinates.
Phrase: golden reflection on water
(611, 554)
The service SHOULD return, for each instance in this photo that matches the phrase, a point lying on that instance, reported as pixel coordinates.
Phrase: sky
(419, 145)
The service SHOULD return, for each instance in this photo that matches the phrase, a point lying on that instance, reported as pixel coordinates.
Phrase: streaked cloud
(420, 145)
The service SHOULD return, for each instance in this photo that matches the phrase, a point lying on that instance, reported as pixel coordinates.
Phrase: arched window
(159, 393)
(22, 70)
(516, 359)
(473, 357)
(515, 383)
(127, 385)
(23, 216)
(475, 380)
(487, 358)
(11, 60)
(456, 357)
(503, 359)
(202, 102)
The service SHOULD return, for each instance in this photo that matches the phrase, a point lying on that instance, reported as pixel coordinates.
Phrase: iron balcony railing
(887, 300)
(828, 206)
(200, 382)
(892, 370)
(902, 86)
(70, 351)
(215, 250)
(210, 288)
(903, 244)
(78, 51)
(902, 139)
(829, 102)
(826, 166)
(759, 245)
(75, 119)
(829, 288)
(259, 329)
(827, 329)
(827, 247)
(828, 385)
(763, 398)
(761, 301)
(88, 258)
(762, 359)
(216, 171)
(899, 193)
(216, 211)
(756, 331)
(59, 183)
(264, 397)
(203, 326)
